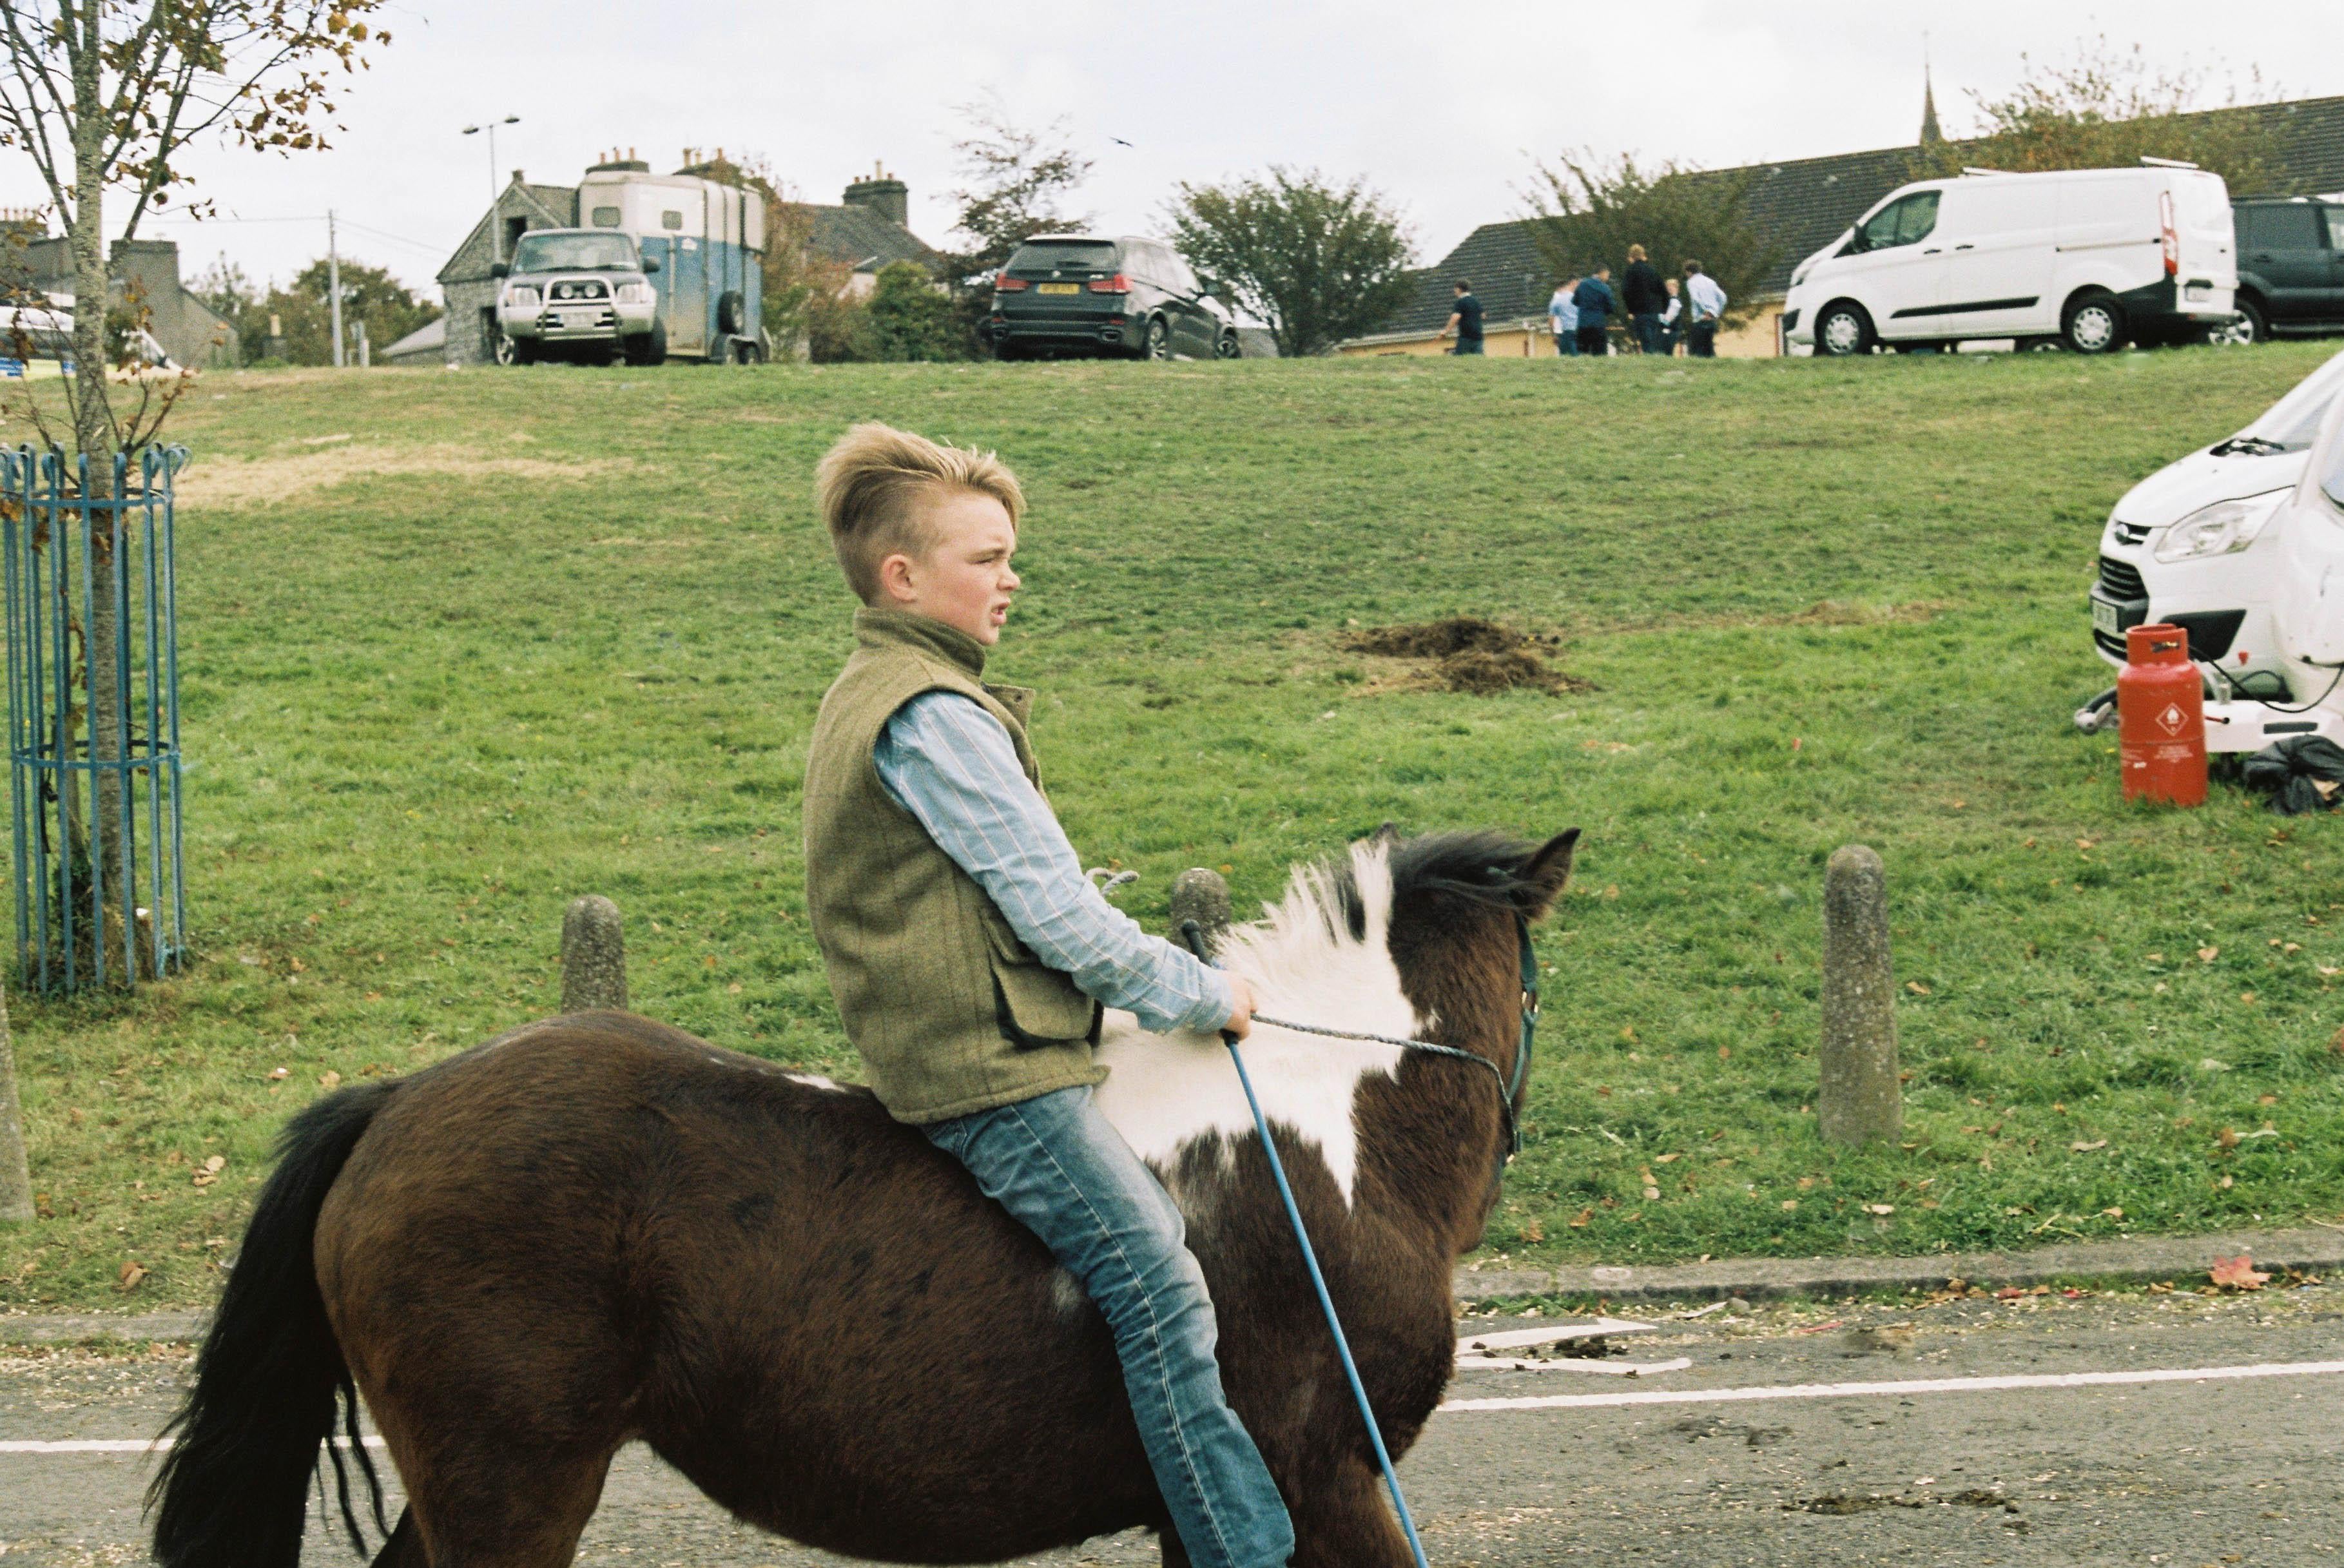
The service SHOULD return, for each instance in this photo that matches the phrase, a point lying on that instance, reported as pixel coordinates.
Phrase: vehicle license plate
(576, 318)
(1058, 289)
(2104, 617)
(2198, 291)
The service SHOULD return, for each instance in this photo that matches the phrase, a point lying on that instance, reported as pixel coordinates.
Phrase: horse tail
(233, 1489)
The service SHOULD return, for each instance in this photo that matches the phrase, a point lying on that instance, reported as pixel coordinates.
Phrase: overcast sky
(1443, 109)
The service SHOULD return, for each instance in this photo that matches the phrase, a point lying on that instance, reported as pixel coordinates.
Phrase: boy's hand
(1240, 1022)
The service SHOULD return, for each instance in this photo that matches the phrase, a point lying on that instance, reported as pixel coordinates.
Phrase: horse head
(1409, 938)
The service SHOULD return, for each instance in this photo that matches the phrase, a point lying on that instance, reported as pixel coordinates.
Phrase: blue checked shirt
(951, 765)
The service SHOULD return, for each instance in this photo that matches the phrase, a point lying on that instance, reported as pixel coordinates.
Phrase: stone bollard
(594, 955)
(15, 1174)
(1199, 894)
(1859, 1098)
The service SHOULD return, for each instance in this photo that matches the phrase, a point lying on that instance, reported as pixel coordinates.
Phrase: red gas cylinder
(2161, 717)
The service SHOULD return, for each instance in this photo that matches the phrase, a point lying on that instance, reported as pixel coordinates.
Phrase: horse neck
(1429, 1142)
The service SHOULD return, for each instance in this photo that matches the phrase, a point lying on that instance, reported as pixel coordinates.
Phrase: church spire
(1930, 135)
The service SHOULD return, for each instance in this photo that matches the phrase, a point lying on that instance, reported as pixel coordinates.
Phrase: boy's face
(965, 581)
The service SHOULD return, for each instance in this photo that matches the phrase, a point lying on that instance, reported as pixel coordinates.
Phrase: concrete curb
(2180, 1259)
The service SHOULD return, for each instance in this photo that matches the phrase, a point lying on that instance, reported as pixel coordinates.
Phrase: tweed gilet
(950, 1011)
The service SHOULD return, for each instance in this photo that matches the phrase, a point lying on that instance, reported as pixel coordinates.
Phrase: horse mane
(1343, 902)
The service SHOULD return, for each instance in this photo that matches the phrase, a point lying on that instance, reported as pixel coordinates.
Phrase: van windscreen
(1051, 256)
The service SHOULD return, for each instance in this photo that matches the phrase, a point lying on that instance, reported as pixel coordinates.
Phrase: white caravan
(2087, 257)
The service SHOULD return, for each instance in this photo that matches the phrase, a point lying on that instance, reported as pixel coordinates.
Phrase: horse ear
(1387, 835)
(1546, 871)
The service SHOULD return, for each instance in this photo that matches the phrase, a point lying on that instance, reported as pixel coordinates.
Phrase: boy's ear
(896, 578)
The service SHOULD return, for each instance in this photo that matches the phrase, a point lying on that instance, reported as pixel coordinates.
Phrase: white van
(2087, 258)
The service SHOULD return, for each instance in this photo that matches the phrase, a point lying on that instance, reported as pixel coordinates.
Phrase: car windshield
(2291, 424)
(579, 252)
(1090, 255)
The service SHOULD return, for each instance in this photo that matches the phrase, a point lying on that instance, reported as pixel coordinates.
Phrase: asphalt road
(2187, 1471)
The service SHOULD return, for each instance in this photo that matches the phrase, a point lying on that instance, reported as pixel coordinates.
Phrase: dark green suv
(1068, 294)
(2290, 269)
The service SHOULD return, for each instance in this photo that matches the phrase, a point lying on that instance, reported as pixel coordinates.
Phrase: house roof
(1802, 204)
(862, 238)
(556, 204)
(429, 339)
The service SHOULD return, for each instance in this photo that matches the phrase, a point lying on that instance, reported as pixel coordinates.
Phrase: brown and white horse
(597, 1229)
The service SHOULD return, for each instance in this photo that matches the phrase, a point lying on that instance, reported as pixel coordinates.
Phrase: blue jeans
(1566, 344)
(1064, 1173)
(1646, 325)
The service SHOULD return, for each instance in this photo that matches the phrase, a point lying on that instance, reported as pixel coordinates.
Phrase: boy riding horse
(970, 956)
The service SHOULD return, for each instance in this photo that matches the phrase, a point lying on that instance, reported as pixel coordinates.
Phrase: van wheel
(2094, 324)
(1844, 328)
(2246, 326)
(1227, 347)
(1157, 344)
(731, 312)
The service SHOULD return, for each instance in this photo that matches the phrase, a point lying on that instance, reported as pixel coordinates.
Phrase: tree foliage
(2108, 108)
(1318, 261)
(912, 319)
(1585, 213)
(303, 310)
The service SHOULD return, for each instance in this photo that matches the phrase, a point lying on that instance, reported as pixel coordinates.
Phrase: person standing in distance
(1465, 320)
(1673, 323)
(1564, 317)
(1707, 307)
(1640, 292)
(1597, 305)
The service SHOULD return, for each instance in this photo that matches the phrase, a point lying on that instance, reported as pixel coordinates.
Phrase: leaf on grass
(1533, 1231)
(1880, 1208)
(329, 1079)
(132, 1273)
(2226, 1139)
(2112, 1214)
(280, 1072)
(1917, 988)
(2207, 954)
(2237, 1273)
(2082, 1148)
(1578, 1220)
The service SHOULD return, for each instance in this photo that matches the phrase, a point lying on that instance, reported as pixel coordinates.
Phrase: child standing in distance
(969, 955)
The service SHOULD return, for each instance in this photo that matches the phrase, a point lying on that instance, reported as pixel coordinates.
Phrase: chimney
(883, 194)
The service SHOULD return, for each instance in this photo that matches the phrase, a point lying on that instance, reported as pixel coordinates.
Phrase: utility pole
(334, 284)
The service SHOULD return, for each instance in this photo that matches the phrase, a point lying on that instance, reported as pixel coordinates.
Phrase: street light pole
(496, 229)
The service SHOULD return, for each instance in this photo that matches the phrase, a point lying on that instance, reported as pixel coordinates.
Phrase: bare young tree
(2106, 107)
(106, 95)
(1017, 179)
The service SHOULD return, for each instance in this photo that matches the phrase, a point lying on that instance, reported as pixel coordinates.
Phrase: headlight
(521, 297)
(1800, 274)
(637, 293)
(2220, 529)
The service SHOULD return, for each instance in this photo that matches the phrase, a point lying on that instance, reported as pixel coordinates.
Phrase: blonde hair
(1635, 253)
(866, 485)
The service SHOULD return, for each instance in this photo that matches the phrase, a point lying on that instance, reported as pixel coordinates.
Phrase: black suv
(2291, 268)
(1081, 294)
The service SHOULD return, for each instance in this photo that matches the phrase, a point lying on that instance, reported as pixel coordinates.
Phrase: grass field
(458, 648)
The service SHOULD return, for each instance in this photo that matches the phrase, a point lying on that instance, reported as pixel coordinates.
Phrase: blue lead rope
(1195, 938)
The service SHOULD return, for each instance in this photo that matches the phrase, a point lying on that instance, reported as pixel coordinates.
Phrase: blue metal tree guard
(100, 889)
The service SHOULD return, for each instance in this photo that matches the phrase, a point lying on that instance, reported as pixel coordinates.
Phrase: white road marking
(1906, 1387)
(1578, 1402)
(1514, 1338)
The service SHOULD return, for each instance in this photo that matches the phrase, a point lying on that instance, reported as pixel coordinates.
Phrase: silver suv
(583, 293)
